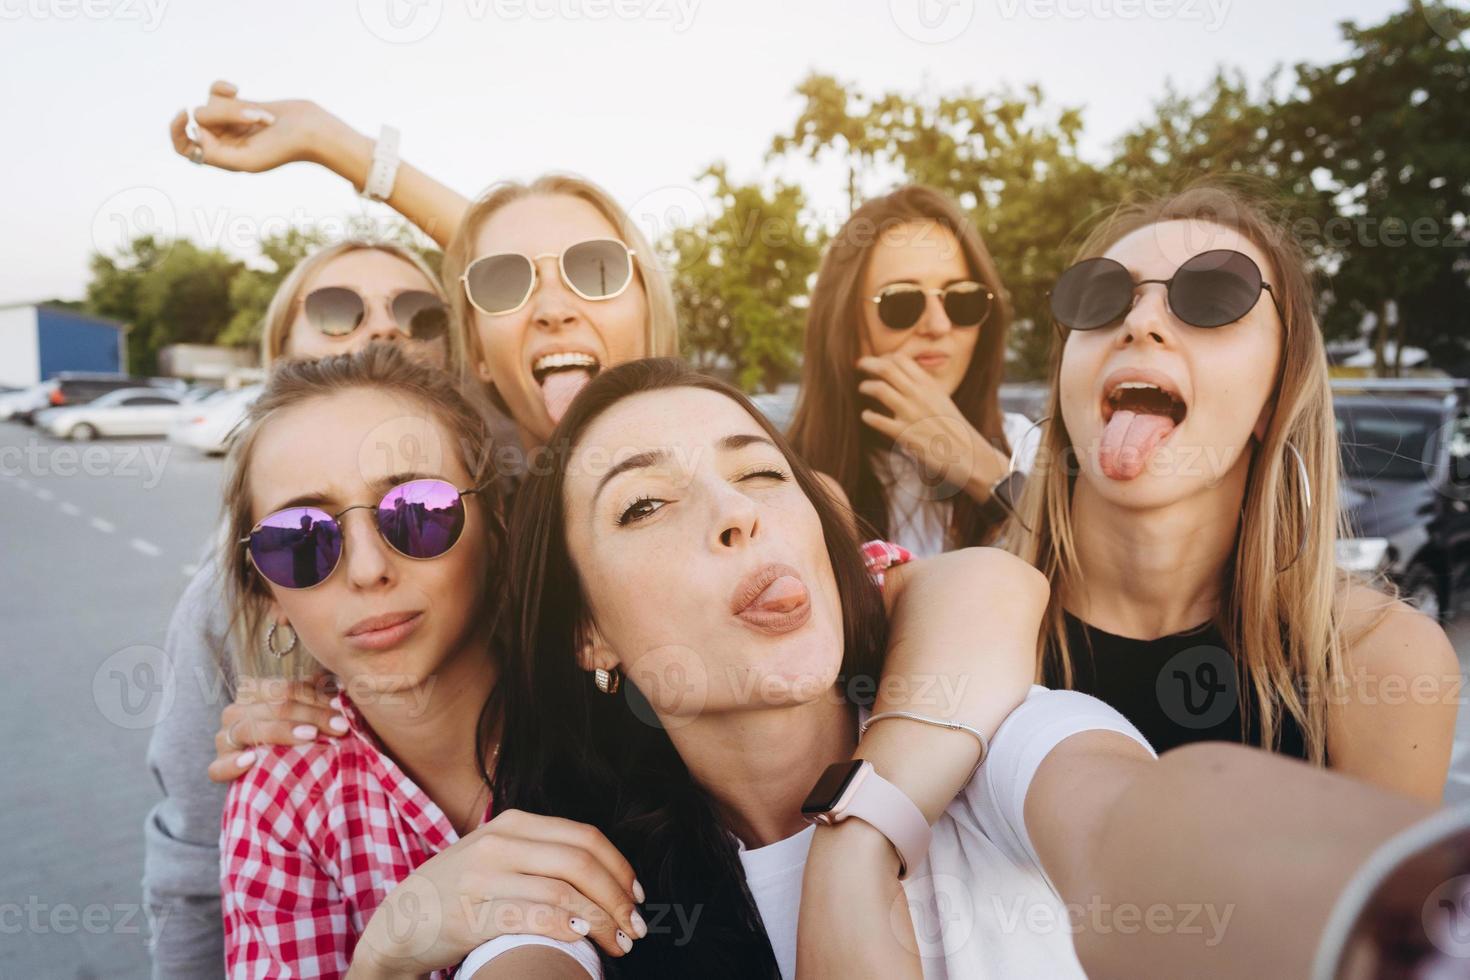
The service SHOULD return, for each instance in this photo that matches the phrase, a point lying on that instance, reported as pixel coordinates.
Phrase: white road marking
(70, 510)
(147, 547)
(44, 494)
(106, 527)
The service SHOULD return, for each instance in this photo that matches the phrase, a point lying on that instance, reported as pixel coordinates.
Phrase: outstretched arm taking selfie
(237, 134)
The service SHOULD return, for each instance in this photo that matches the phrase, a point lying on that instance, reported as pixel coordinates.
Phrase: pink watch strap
(878, 802)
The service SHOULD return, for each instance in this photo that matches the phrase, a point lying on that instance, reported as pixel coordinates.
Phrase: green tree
(1010, 160)
(741, 279)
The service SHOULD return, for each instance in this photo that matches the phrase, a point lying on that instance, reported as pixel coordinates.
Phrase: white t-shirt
(918, 518)
(981, 904)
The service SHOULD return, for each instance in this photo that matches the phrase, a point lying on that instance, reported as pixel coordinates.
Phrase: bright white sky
(487, 89)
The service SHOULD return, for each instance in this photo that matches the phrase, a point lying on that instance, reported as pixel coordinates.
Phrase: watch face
(830, 786)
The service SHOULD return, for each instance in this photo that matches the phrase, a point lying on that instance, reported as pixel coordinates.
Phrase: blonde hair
(661, 336)
(276, 328)
(380, 367)
(1283, 627)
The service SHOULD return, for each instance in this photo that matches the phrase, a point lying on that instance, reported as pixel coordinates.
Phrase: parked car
(209, 425)
(14, 404)
(125, 412)
(69, 388)
(1406, 488)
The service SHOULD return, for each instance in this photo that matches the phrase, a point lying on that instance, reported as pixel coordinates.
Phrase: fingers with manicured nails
(221, 113)
(228, 768)
(567, 902)
(579, 869)
(224, 88)
(585, 836)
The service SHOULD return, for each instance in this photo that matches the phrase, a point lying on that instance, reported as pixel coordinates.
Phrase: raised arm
(962, 647)
(242, 135)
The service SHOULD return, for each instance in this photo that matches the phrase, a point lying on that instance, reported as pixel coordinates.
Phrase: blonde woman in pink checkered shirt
(398, 604)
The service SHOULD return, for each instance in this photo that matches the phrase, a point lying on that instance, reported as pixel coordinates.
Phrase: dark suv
(1406, 488)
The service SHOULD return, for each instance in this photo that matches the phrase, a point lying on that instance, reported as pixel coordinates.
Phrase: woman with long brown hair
(1184, 507)
(905, 348)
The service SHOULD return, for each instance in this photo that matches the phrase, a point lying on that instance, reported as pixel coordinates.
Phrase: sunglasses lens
(1215, 288)
(900, 309)
(334, 310)
(296, 548)
(422, 519)
(597, 269)
(498, 283)
(966, 304)
(1091, 294)
(421, 314)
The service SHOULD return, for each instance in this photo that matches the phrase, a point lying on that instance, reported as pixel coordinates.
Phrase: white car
(125, 412)
(23, 400)
(209, 425)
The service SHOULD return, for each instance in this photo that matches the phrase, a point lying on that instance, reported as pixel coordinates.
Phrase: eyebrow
(379, 486)
(653, 457)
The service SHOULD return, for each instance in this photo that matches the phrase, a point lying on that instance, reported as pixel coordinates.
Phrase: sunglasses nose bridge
(1149, 313)
(366, 556)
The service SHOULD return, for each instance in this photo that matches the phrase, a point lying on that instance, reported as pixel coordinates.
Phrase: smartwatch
(1001, 503)
(854, 789)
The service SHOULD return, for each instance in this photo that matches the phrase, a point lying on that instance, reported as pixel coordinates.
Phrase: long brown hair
(827, 429)
(573, 752)
(1283, 627)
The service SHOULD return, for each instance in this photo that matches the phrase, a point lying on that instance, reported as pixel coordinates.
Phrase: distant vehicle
(126, 412)
(209, 425)
(79, 388)
(1406, 489)
(13, 404)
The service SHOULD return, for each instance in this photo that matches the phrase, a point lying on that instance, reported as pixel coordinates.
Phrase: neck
(429, 730)
(1153, 572)
(759, 765)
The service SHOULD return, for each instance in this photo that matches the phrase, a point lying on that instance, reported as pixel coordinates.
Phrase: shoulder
(288, 787)
(1383, 635)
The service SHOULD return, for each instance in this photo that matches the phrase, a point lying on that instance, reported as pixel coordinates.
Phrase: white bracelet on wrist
(379, 183)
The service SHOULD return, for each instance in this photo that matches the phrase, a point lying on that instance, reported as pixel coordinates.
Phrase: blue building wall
(70, 341)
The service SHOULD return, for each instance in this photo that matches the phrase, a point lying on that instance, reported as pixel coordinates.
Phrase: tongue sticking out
(783, 595)
(560, 387)
(1128, 440)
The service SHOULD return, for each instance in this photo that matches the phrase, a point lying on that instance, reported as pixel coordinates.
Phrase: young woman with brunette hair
(905, 350)
(695, 639)
(1185, 507)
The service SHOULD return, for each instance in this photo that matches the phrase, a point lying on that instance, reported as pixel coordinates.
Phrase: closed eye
(767, 472)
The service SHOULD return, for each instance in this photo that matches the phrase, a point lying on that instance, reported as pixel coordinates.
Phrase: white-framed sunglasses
(597, 269)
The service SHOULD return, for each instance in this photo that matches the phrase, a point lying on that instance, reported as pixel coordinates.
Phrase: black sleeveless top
(1176, 689)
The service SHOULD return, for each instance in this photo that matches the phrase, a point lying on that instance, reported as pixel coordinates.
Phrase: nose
(1149, 320)
(553, 306)
(369, 560)
(737, 521)
(379, 323)
(935, 321)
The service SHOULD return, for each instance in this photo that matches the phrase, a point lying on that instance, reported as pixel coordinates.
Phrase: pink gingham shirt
(315, 836)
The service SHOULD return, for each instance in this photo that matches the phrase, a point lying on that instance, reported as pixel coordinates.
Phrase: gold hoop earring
(270, 641)
(607, 681)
